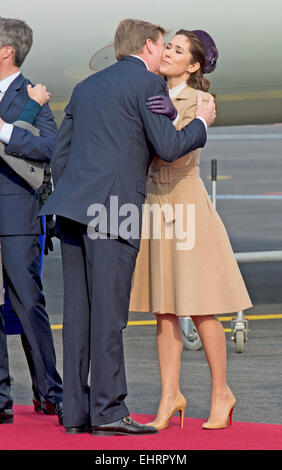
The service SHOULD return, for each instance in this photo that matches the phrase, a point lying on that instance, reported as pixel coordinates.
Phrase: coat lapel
(186, 99)
(186, 94)
(11, 93)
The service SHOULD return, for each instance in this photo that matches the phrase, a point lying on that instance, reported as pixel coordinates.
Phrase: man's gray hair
(18, 35)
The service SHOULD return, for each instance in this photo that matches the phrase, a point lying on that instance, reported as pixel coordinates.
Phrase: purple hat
(210, 48)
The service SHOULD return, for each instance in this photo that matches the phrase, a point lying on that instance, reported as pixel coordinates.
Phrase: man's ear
(6, 51)
(149, 46)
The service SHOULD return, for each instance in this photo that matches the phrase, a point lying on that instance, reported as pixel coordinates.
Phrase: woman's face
(176, 59)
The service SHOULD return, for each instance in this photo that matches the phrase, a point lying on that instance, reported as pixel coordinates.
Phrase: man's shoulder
(140, 71)
(143, 79)
(45, 112)
(123, 71)
(151, 77)
(149, 84)
(19, 84)
(24, 80)
(87, 82)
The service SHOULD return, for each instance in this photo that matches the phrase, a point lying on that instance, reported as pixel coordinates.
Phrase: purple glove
(162, 105)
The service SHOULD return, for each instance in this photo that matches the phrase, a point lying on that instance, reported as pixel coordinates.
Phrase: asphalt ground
(249, 163)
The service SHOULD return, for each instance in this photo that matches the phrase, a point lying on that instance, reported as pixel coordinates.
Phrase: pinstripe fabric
(2, 300)
(21, 264)
(97, 282)
(6, 400)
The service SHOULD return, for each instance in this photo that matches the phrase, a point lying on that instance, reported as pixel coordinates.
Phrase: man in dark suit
(102, 154)
(19, 228)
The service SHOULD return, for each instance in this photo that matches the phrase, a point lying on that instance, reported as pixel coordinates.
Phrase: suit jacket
(107, 141)
(2, 300)
(19, 205)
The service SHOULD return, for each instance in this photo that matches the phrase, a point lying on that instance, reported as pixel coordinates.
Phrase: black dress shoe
(84, 428)
(48, 408)
(6, 416)
(37, 405)
(59, 411)
(123, 427)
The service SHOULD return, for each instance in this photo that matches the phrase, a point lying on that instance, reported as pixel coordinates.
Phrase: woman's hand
(162, 105)
(38, 93)
(1, 123)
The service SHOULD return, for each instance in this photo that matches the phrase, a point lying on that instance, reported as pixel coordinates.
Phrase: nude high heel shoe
(222, 424)
(179, 405)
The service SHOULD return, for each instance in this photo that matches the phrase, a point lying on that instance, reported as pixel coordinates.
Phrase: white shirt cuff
(203, 120)
(175, 120)
(6, 132)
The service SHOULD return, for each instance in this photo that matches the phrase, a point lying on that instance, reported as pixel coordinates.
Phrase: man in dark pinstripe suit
(102, 154)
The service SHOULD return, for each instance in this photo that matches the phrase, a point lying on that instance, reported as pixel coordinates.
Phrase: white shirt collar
(6, 82)
(138, 57)
(173, 92)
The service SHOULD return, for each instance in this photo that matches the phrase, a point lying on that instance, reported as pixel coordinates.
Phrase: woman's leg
(169, 345)
(212, 336)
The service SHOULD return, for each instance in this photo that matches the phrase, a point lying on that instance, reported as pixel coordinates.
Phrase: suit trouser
(6, 401)
(97, 285)
(21, 268)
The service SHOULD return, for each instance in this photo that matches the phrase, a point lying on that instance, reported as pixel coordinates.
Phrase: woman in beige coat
(190, 270)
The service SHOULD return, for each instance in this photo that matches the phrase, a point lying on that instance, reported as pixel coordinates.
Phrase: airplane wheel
(190, 336)
(240, 341)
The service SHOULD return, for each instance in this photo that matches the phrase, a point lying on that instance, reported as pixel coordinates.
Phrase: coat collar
(186, 93)
(6, 82)
(134, 59)
(11, 93)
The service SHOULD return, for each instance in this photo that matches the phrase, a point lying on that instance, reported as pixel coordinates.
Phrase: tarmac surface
(249, 163)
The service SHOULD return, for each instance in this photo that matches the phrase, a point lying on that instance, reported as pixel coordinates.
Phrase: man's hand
(38, 93)
(206, 109)
(1, 124)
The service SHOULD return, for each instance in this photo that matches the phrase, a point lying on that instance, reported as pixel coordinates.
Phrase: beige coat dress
(186, 264)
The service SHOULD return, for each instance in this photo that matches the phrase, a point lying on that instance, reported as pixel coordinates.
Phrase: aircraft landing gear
(191, 339)
(239, 329)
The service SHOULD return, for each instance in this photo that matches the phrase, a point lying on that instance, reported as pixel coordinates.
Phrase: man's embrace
(104, 148)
